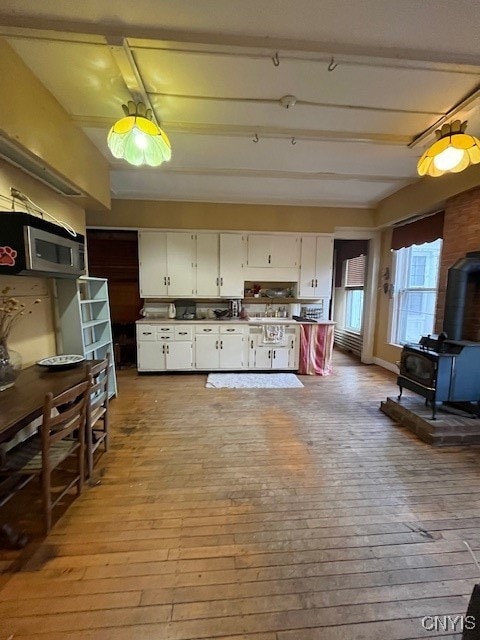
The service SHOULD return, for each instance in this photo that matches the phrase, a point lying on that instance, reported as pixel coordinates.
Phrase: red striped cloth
(316, 346)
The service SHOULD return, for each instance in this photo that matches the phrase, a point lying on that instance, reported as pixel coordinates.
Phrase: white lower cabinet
(213, 347)
(217, 349)
(164, 348)
(265, 356)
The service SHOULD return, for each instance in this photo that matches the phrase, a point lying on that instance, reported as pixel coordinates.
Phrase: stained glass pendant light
(452, 152)
(137, 139)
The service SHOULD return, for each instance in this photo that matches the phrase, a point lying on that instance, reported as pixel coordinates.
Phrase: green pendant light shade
(137, 139)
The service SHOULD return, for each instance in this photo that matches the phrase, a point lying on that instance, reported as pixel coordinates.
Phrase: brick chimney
(461, 234)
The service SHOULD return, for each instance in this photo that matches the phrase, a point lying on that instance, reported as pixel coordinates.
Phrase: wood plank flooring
(293, 514)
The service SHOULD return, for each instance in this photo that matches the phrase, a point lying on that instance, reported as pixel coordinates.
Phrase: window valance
(426, 229)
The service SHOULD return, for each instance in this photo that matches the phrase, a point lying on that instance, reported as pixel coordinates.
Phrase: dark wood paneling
(114, 255)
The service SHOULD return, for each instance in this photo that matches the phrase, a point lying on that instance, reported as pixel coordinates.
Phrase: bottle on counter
(172, 312)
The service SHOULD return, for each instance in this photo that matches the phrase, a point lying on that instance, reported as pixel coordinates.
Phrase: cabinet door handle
(269, 354)
(217, 281)
(221, 282)
(163, 348)
(221, 344)
(168, 350)
(313, 283)
(206, 330)
(316, 282)
(165, 280)
(292, 344)
(274, 353)
(182, 333)
(165, 337)
(164, 328)
(168, 280)
(230, 329)
(146, 333)
(269, 259)
(216, 344)
(251, 343)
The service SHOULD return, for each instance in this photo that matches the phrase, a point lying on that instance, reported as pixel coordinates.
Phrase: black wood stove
(442, 369)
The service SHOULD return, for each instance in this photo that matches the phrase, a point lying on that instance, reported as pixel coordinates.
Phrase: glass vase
(10, 366)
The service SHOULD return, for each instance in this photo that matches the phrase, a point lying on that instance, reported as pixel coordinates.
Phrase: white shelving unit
(84, 320)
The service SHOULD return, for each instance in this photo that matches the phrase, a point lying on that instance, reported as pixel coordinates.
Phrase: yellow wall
(238, 217)
(34, 334)
(424, 196)
(382, 348)
(32, 117)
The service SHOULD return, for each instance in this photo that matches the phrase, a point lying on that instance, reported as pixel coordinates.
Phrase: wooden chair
(96, 430)
(61, 435)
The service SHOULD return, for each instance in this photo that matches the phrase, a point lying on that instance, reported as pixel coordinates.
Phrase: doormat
(253, 381)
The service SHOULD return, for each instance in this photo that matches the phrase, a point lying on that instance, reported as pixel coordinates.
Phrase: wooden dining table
(23, 402)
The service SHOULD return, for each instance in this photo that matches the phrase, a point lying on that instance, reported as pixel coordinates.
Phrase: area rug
(253, 381)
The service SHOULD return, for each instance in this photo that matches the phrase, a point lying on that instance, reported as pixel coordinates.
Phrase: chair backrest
(70, 406)
(99, 389)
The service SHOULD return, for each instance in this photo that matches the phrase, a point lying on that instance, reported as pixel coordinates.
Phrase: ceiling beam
(345, 52)
(130, 73)
(247, 131)
(451, 113)
(264, 173)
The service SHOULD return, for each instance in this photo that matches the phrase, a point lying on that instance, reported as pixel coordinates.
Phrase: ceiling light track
(308, 103)
(451, 113)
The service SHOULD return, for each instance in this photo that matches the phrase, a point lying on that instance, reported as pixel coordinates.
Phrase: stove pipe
(456, 294)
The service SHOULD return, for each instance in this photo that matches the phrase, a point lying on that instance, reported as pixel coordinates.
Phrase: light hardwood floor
(293, 514)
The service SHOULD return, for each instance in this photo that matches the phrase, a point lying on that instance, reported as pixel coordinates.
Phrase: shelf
(97, 345)
(92, 300)
(266, 300)
(84, 320)
(94, 323)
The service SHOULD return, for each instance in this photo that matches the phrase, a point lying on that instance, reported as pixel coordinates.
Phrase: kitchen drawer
(229, 329)
(167, 329)
(146, 333)
(206, 328)
(183, 332)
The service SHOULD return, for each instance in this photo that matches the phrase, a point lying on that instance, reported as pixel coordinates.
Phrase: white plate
(61, 361)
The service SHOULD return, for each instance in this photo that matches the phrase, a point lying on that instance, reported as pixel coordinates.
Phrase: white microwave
(33, 246)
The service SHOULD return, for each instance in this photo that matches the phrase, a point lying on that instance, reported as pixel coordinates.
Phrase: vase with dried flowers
(11, 310)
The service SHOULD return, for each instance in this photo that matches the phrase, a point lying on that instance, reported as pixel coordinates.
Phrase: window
(416, 276)
(354, 282)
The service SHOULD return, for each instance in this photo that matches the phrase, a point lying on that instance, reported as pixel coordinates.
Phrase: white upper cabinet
(180, 264)
(316, 264)
(231, 265)
(272, 251)
(208, 277)
(152, 256)
(167, 264)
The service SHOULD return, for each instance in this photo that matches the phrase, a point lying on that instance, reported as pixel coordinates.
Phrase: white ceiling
(214, 72)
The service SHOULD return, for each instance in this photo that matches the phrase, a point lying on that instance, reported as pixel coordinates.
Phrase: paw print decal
(7, 256)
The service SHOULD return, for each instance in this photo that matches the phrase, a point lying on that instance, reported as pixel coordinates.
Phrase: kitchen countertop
(251, 321)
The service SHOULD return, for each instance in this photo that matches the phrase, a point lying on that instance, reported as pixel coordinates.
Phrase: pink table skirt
(316, 346)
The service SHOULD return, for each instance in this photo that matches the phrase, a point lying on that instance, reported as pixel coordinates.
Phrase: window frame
(348, 304)
(401, 265)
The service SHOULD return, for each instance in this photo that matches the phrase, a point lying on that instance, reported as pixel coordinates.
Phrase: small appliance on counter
(234, 307)
(185, 309)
